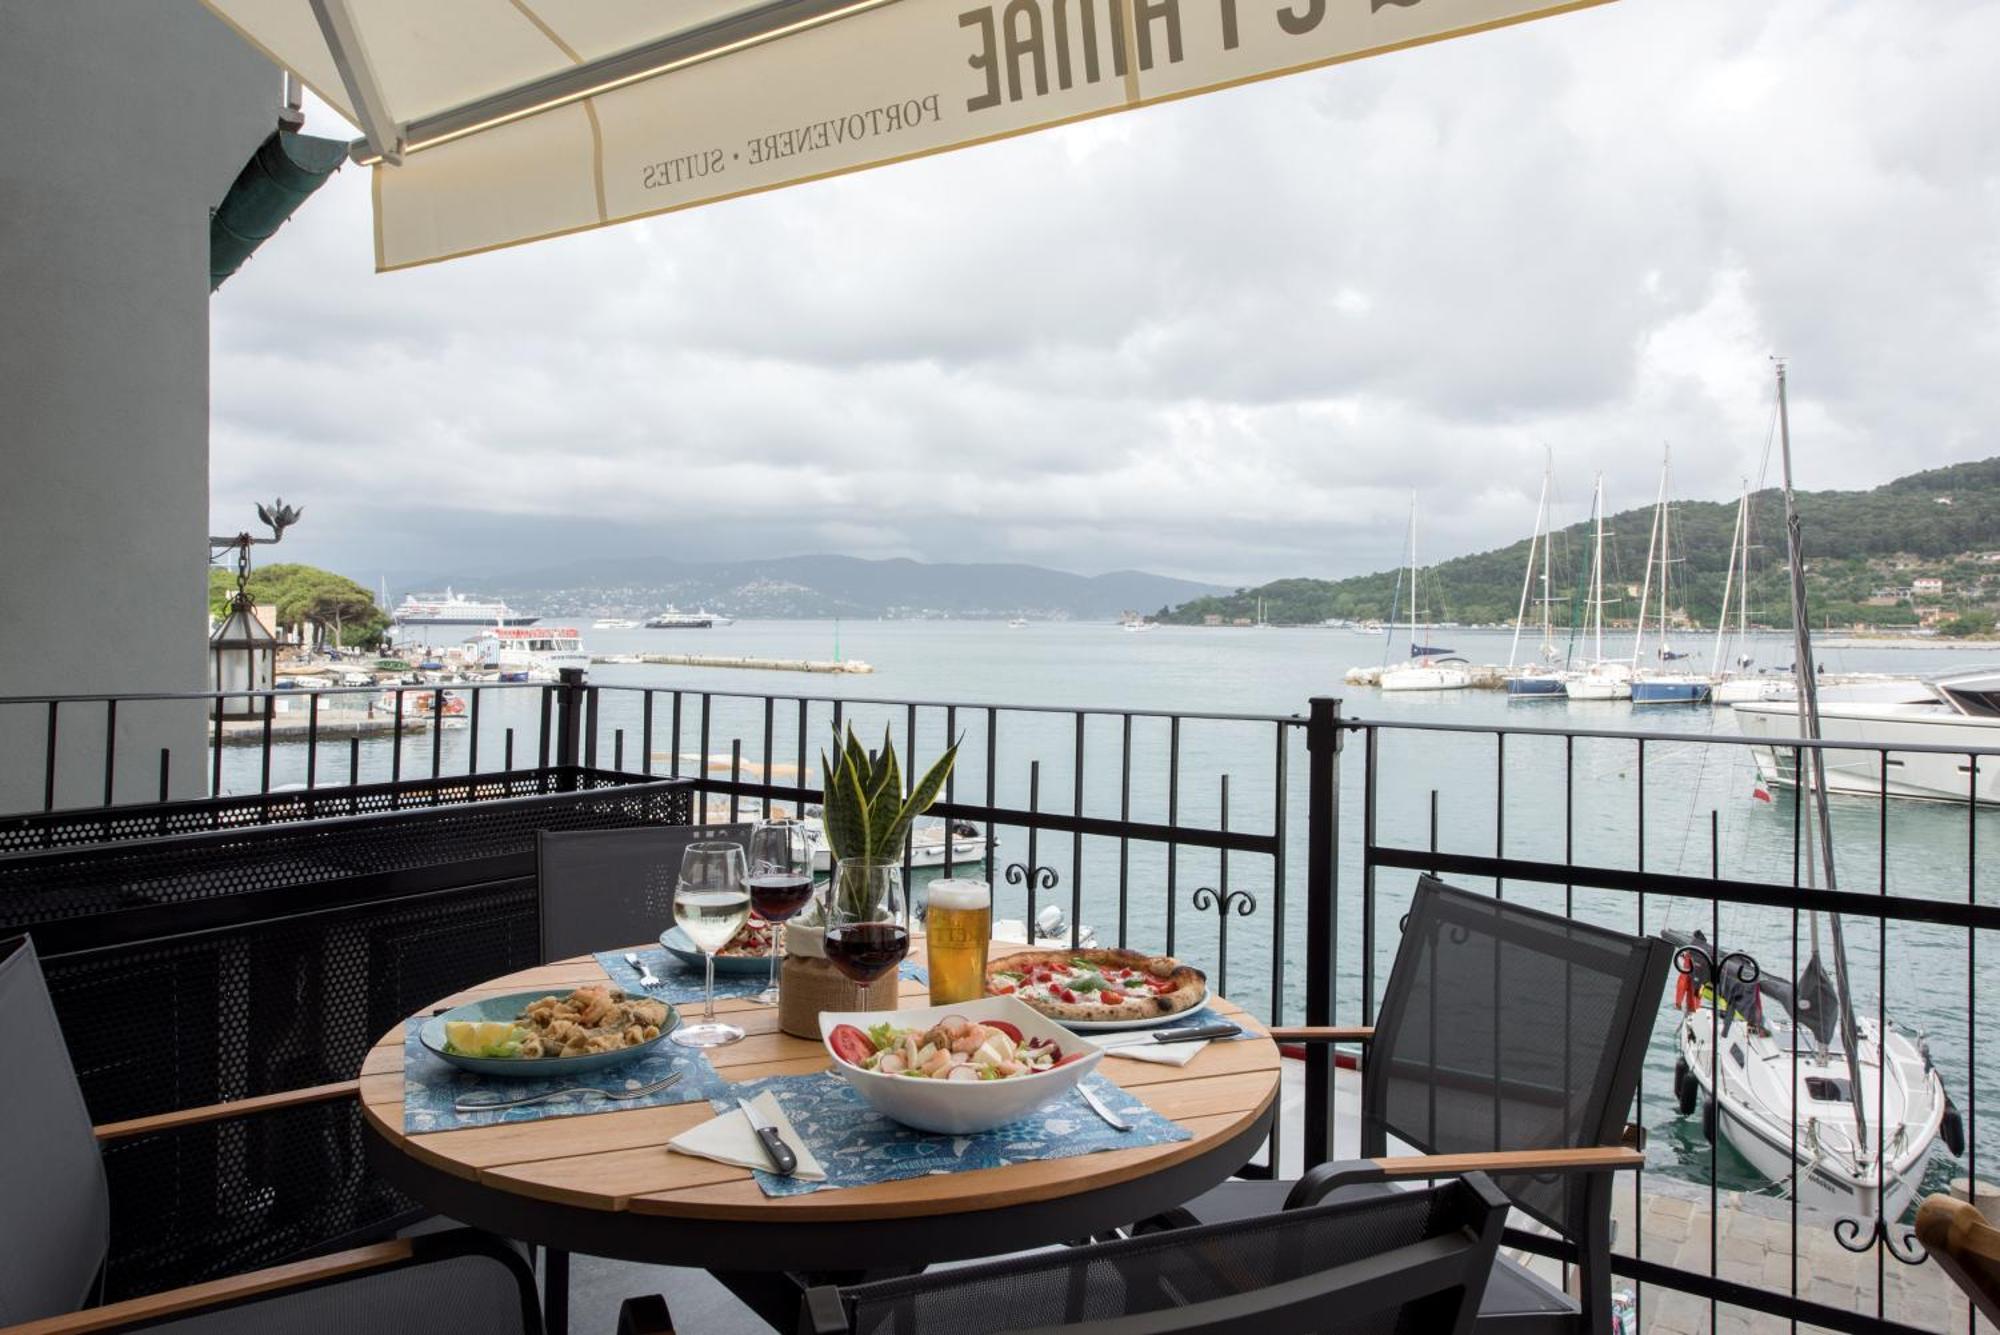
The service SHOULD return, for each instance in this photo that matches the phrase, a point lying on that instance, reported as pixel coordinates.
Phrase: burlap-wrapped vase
(809, 985)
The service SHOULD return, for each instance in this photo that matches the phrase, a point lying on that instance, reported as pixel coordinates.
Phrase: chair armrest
(1323, 1033)
(174, 1302)
(1966, 1248)
(216, 1112)
(1327, 1178)
(645, 1315)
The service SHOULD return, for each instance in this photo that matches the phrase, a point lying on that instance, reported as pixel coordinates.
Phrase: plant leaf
(923, 794)
(856, 754)
(846, 812)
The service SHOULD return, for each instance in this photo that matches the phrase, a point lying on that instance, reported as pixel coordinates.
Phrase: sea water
(1529, 797)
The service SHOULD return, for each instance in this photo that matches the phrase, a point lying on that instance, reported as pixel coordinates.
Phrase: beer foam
(960, 895)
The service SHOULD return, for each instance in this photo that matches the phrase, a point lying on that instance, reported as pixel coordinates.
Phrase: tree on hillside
(334, 606)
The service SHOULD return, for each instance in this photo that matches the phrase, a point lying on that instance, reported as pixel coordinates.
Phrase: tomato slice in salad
(850, 1044)
(1013, 1033)
(1072, 1057)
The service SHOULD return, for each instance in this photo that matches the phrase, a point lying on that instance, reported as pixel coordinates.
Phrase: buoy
(1953, 1129)
(1685, 1087)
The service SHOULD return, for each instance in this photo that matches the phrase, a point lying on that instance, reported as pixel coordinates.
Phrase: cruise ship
(456, 609)
(674, 619)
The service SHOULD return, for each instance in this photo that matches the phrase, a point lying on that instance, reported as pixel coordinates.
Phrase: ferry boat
(541, 652)
(675, 619)
(456, 609)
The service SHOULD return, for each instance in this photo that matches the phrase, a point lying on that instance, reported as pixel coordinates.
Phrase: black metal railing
(1186, 831)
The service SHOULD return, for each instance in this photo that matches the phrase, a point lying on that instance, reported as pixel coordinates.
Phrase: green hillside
(1938, 524)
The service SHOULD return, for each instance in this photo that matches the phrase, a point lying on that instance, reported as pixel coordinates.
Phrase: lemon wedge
(482, 1038)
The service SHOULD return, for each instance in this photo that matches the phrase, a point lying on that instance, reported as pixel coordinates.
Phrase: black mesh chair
(1509, 1041)
(1409, 1261)
(55, 1215)
(606, 888)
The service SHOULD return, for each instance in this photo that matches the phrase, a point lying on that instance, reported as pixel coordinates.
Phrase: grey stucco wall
(125, 122)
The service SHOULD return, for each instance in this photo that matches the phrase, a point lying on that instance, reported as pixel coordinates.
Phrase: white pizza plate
(1143, 1022)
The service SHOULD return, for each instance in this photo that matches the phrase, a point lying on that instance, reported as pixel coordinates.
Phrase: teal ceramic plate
(676, 943)
(431, 1035)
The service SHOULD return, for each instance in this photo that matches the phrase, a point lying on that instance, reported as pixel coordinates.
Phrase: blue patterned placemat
(859, 1146)
(431, 1085)
(682, 983)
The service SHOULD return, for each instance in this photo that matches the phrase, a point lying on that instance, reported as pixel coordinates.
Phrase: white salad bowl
(963, 1107)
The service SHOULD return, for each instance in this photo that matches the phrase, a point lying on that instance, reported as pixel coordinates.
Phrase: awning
(285, 169)
(493, 122)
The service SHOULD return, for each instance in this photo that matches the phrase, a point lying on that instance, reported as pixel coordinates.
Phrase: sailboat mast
(1597, 571)
(1548, 541)
(1666, 550)
(1528, 575)
(1413, 575)
(1646, 586)
(1743, 584)
(1815, 758)
(1728, 587)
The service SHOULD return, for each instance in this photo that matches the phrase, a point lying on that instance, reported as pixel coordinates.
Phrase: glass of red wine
(866, 935)
(781, 882)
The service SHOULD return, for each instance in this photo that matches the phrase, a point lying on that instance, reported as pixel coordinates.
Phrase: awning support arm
(380, 132)
(765, 22)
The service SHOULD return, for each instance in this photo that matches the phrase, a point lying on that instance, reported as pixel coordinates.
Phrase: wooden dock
(821, 665)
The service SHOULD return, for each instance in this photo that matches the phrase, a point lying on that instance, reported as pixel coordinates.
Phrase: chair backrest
(1506, 1028)
(606, 888)
(54, 1206)
(1401, 1261)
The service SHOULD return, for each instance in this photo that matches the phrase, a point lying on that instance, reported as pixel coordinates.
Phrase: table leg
(555, 1291)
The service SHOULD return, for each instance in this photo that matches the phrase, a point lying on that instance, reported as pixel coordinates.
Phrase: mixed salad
(954, 1048)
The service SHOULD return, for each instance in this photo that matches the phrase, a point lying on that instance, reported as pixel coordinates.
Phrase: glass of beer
(958, 924)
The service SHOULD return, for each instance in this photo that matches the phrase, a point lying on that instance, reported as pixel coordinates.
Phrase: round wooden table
(606, 1185)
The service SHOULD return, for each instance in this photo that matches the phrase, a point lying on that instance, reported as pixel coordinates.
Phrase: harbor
(833, 666)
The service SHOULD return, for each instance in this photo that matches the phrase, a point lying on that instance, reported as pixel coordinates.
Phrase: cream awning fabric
(493, 122)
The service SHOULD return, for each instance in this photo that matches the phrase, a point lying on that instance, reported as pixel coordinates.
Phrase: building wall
(126, 121)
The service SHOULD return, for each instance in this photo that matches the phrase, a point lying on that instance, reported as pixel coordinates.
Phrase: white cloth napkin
(1144, 1049)
(727, 1138)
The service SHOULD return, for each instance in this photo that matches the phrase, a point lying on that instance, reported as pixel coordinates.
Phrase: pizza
(1098, 984)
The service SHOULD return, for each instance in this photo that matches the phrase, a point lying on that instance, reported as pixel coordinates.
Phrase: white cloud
(1221, 338)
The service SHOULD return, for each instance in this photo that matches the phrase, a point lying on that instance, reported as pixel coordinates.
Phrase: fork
(646, 978)
(614, 1096)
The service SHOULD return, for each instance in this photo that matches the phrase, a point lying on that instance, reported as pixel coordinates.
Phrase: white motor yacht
(1960, 711)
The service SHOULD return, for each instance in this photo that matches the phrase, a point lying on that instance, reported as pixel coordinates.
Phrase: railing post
(569, 695)
(1323, 737)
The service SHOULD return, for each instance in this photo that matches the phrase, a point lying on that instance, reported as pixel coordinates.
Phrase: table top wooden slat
(616, 1161)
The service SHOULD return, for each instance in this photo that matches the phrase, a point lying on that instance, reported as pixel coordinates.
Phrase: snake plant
(866, 813)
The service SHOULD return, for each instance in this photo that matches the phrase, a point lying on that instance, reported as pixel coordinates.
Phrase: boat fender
(1953, 1129)
(1708, 1119)
(1686, 1090)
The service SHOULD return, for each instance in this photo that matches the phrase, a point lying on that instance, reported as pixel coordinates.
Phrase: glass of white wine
(711, 904)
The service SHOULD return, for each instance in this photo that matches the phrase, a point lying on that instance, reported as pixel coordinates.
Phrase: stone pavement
(1753, 1246)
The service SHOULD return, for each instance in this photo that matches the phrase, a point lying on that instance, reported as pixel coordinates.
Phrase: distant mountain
(1863, 551)
(829, 586)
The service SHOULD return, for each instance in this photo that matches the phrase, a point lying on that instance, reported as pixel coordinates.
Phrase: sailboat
(1842, 1108)
(1735, 683)
(1433, 668)
(1656, 686)
(1542, 679)
(1603, 678)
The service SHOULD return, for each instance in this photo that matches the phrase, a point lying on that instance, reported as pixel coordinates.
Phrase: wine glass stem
(708, 997)
(776, 932)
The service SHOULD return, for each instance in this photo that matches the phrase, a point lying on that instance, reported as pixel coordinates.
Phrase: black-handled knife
(783, 1162)
(1194, 1033)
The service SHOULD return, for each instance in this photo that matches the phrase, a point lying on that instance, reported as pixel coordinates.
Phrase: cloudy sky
(1222, 338)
